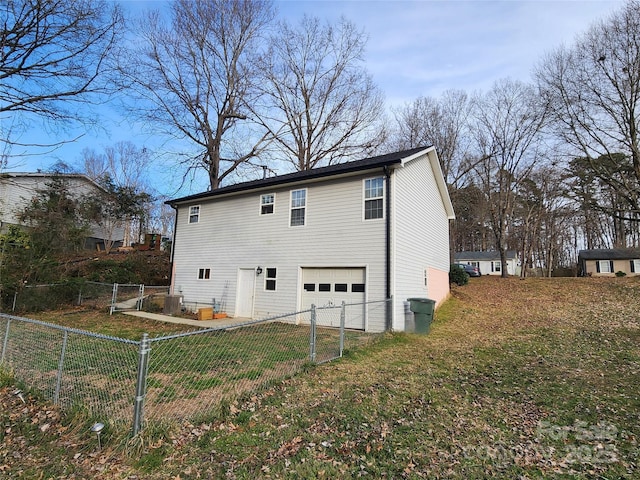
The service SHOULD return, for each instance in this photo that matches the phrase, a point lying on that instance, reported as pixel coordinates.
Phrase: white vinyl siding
(17, 190)
(328, 239)
(420, 232)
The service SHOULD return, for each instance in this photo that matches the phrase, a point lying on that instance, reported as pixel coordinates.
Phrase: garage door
(327, 287)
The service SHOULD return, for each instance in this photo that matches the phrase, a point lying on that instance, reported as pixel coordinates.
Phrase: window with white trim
(267, 203)
(605, 266)
(635, 266)
(373, 198)
(194, 214)
(298, 207)
(496, 266)
(270, 279)
(204, 274)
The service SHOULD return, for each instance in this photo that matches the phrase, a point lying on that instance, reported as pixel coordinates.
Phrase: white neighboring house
(18, 189)
(489, 262)
(357, 232)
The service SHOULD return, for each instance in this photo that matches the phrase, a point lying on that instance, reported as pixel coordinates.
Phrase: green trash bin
(422, 309)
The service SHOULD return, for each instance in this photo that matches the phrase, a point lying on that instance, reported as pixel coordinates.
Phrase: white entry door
(329, 287)
(244, 296)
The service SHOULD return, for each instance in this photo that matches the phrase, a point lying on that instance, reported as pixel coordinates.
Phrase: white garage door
(328, 287)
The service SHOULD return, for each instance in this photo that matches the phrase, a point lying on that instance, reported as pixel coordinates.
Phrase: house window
(270, 279)
(298, 206)
(204, 274)
(604, 266)
(373, 198)
(496, 266)
(194, 214)
(635, 266)
(267, 202)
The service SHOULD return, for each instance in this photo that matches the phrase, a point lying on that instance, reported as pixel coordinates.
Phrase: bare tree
(52, 57)
(123, 168)
(194, 77)
(321, 106)
(593, 89)
(507, 126)
(442, 122)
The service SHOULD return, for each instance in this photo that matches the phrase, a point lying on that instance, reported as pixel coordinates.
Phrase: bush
(620, 273)
(458, 276)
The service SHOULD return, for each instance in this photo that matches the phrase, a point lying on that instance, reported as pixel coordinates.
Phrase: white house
(357, 232)
(17, 189)
(489, 262)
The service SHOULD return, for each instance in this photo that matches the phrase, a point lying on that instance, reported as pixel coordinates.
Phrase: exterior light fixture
(97, 429)
(18, 393)
(258, 270)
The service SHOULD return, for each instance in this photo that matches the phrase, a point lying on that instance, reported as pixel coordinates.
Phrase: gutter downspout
(389, 308)
(173, 249)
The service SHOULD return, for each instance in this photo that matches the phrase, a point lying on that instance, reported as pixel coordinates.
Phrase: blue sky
(415, 48)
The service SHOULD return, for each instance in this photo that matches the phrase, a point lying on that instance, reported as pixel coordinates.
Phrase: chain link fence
(182, 376)
(36, 298)
(81, 293)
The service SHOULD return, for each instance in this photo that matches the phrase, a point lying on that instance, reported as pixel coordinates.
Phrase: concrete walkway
(218, 323)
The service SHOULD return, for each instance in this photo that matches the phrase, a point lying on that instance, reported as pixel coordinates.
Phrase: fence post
(56, 395)
(114, 296)
(15, 299)
(312, 340)
(5, 342)
(342, 322)
(141, 382)
(140, 297)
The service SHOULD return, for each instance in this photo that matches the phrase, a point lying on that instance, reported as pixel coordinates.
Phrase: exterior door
(329, 287)
(246, 288)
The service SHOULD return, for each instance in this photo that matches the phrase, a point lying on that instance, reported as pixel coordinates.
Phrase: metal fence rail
(178, 376)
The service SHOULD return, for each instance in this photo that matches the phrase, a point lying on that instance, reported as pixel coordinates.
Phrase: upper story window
(298, 207)
(194, 214)
(267, 202)
(373, 198)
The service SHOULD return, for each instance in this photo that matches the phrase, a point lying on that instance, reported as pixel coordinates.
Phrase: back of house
(360, 232)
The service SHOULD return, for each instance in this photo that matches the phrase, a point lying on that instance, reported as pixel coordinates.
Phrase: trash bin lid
(423, 300)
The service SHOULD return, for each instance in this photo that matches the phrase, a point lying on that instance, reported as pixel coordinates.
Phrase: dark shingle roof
(486, 256)
(341, 168)
(609, 254)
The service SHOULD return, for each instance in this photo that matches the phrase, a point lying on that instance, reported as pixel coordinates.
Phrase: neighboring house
(18, 189)
(489, 262)
(356, 232)
(606, 262)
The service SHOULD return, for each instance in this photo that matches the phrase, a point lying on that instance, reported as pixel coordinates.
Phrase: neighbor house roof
(388, 160)
(492, 255)
(610, 254)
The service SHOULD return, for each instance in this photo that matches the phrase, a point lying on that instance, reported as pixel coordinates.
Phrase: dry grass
(533, 378)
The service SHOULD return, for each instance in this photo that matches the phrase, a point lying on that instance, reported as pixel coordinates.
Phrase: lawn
(533, 378)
